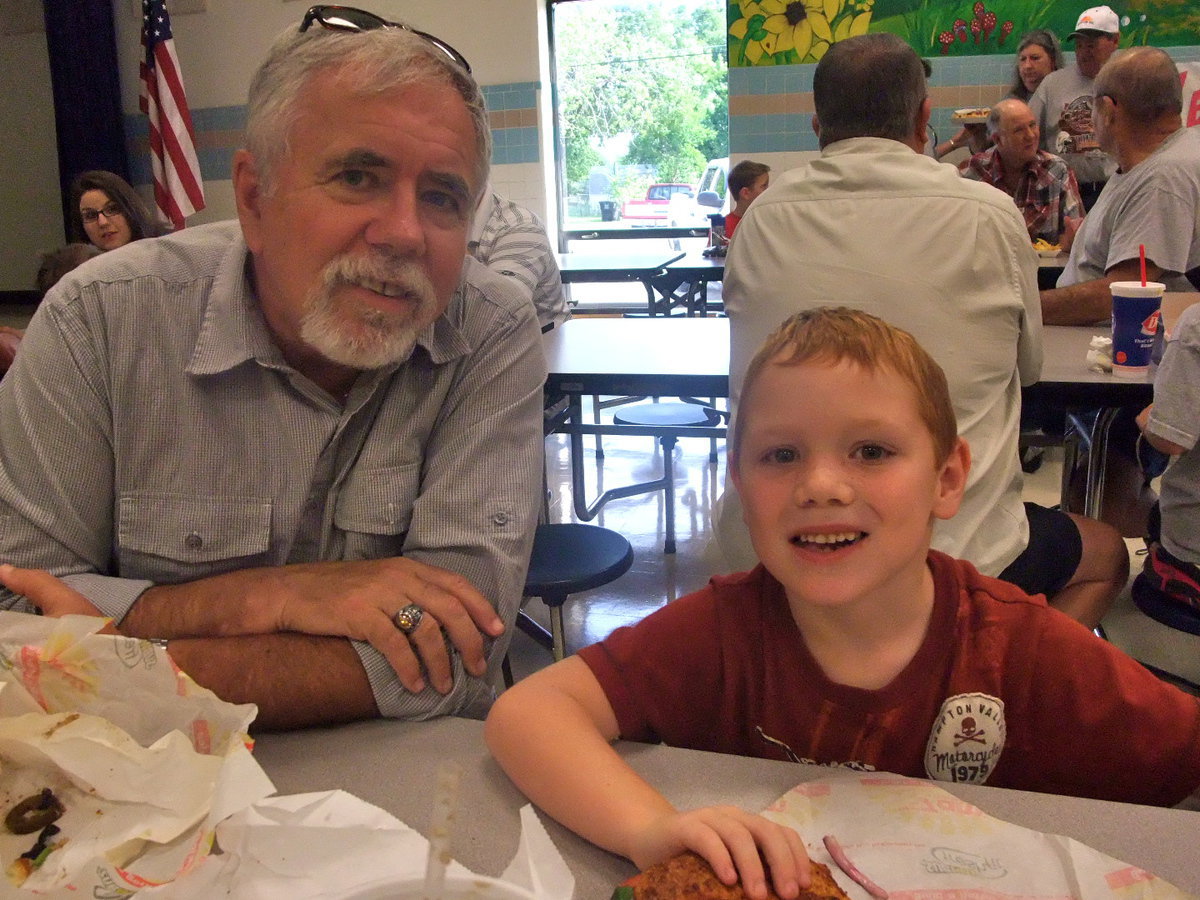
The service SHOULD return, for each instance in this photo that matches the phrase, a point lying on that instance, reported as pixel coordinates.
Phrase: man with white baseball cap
(1063, 102)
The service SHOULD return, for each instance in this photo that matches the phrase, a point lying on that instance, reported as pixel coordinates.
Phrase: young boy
(746, 181)
(853, 643)
(1172, 425)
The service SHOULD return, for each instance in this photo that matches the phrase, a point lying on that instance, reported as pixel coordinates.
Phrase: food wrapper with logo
(143, 761)
(915, 840)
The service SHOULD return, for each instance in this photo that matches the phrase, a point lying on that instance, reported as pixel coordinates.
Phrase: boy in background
(746, 181)
(851, 644)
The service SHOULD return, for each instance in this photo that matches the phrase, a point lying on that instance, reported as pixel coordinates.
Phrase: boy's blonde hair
(832, 334)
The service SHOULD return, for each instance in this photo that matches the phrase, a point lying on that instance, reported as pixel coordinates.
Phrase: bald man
(1153, 200)
(1041, 183)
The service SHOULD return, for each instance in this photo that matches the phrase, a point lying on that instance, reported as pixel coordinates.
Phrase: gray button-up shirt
(151, 432)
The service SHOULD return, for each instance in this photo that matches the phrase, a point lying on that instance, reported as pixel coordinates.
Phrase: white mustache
(384, 275)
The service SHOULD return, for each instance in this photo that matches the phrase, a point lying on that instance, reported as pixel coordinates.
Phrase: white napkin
(328, 844)
(538, 867)
(1099, 355)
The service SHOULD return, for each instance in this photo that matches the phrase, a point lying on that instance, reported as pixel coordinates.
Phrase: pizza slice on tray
(689, 876)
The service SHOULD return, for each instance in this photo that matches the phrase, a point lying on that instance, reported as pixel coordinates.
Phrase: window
(640, 104)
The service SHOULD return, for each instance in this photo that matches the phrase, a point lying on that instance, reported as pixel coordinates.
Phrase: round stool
(568, 558)
(677, 415)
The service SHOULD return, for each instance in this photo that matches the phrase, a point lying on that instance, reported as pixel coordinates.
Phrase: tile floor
(656, 578)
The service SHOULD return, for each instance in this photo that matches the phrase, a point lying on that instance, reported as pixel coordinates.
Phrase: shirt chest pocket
(168, 538)
(374, 511)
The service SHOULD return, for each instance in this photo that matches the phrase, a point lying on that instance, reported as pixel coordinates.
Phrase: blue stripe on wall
(518, 95)
(511, 145)
(781, 133)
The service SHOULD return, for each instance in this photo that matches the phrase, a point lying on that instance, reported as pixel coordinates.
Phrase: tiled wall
(512, 110)
(770, 108)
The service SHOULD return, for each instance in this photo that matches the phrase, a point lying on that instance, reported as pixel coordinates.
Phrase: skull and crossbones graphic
(969, 732)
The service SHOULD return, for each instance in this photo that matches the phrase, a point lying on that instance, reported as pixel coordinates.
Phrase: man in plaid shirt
(1041, 183)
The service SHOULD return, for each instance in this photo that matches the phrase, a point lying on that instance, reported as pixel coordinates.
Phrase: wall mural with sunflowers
(785, 32)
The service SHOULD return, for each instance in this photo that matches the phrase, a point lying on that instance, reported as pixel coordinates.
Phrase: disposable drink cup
(1135, 312)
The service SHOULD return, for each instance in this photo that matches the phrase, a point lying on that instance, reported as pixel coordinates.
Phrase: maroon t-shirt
(1003, 690)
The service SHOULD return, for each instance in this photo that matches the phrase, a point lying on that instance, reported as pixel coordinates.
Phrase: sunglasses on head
(347, 18)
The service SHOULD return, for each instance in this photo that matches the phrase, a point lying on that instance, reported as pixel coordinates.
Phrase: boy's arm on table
(551, 733)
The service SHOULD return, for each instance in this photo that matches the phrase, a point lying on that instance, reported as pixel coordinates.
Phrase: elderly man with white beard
(304, 448)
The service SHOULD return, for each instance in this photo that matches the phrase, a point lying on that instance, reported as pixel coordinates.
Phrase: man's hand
(359, 599)
(354, 600)
(1143, 417)
(1090, 302)
(1162, 445)
(52, 596)
(735, 843)
(1070, 229)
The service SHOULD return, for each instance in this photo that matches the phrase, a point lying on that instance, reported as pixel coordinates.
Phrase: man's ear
(952, 480)
(1106, 107)
(816, 126)
(921, 131)
(248, 195)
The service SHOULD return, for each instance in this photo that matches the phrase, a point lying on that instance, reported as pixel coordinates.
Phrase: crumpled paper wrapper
(152, 768)
(331, 844)
(145, 761)
(1099, 355)
(914, 839)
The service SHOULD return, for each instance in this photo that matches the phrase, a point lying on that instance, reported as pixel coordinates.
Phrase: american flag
(178, 188)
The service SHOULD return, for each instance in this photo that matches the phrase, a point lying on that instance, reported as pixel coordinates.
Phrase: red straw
(1142, 251)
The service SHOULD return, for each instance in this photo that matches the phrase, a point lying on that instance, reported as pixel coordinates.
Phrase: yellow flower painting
(779, 32)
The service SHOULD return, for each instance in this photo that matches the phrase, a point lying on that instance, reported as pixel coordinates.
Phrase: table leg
(651, 304)
(1093, 494)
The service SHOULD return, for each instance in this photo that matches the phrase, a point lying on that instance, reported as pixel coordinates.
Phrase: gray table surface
(632, 265)
(394, 764)
(606, 348)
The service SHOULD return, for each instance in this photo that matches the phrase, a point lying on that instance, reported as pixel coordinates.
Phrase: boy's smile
(840, 484)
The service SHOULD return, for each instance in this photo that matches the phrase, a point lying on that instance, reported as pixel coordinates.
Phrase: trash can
(608, 210)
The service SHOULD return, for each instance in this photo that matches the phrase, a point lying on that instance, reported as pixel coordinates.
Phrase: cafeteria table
(618, 357)
(670, 357)
(690, 357)
(686, 282)
(618, 266)
(394, 766)
(1067, 382)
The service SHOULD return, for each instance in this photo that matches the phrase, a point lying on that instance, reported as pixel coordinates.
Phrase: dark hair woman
(1038, 54)
(108, 212)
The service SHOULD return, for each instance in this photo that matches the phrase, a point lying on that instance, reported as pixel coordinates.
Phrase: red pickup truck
(653, 210)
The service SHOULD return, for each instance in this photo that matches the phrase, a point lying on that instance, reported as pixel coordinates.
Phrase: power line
(711, 54)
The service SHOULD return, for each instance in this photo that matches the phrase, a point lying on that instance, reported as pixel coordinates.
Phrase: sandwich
(689, 876)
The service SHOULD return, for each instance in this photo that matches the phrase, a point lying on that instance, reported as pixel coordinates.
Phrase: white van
(712, 196)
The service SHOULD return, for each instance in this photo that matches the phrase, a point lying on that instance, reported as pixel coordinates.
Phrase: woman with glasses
(108, 211)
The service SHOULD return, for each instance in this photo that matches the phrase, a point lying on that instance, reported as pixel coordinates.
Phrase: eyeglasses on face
(110, 210)
(347, 18)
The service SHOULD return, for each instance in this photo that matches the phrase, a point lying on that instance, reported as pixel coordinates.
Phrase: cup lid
(1137, 289)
